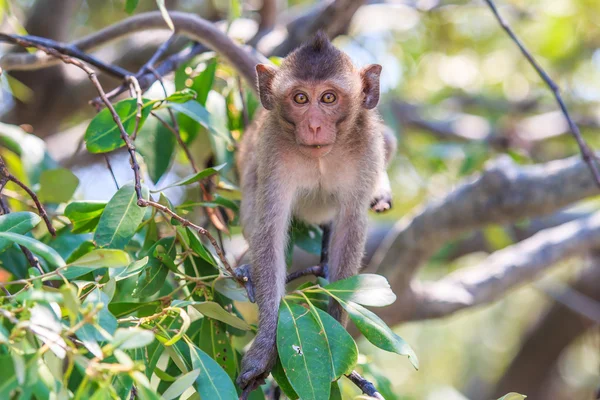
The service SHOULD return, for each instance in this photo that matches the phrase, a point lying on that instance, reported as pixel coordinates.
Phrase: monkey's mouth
(315, 150)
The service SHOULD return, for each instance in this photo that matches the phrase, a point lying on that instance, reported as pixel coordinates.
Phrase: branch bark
(504, 193)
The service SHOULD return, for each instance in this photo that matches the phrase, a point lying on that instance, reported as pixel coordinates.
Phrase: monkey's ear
(265, 74)
(370, 85)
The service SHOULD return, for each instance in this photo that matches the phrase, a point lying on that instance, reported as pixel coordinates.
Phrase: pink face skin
(315, 110)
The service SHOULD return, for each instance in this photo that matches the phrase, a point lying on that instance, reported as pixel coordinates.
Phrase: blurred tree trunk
(533, 370)
(48, 19)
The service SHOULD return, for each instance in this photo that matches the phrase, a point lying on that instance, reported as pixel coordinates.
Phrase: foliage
(126, 295)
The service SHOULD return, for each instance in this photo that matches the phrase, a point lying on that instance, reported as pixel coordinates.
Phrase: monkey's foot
(243, 271)
(382, 202)
(256, 365)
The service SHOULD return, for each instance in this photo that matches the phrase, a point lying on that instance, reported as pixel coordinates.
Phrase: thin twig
(110, 169)
(317, 270)
(155, 57)
(214, 216)
(202, 231)
(586, 152)
(72, 51)
(10, 177)
(367, 387)
(136, 92)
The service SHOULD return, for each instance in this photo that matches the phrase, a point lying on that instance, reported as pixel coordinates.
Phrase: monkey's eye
(300, 98)
(328, 98)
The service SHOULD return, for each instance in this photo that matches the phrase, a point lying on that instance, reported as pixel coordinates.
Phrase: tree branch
(188, 25)
(500, 272)
(587, 154)
(503, 193)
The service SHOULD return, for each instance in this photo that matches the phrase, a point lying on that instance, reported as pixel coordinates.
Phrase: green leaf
(39, 248)
(513, 396)
(377, 332)
(131, 5)
(217, 344)
(122, 309)
(165, 14)
(213, 382)
(183, 383)
(154, 276)
(95, 259)
(230, 288)
(194, 178)
(84, 215)
(335, 391)
(199, 248)
(344, 353)
(366, 289)
(306, 236)
(17, 222)
(120, 218)
(132, 338)
(198, 113)
(282, 381)
(302, 350)
(156, 143)
(182, 96)
(106, 321)
(103, 134)
(204, 81)
(110, 258)
(132, 269)
(57, 185)
(216, 311)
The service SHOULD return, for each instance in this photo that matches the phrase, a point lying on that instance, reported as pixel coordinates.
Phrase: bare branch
(504, 193)
(500, 272)
(367, 387)
(7, 176)
(188, 25)
(332, 16)
(587, 154)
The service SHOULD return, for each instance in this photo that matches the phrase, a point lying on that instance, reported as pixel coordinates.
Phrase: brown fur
(284, 175)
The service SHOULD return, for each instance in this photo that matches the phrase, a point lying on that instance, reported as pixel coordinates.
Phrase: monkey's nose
(314, 128)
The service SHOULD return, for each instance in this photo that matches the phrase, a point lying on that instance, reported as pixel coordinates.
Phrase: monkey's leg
(346, 249)
(267, 246)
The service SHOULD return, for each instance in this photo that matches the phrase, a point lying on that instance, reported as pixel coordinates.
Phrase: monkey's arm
(346, 247)
(267, 245)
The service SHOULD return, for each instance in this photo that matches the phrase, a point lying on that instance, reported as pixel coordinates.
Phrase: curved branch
(332, 16)
(504, 193)
(499, 273)
(188, 25)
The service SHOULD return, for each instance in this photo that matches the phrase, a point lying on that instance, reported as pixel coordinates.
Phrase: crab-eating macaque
(318, 153)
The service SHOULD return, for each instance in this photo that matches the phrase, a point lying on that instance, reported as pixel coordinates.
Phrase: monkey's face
(314, 111)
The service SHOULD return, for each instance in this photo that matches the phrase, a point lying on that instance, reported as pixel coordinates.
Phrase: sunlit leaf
(156, 143)
(513, 396)
(132, 338)
(183, 383)
(165, 14)
(216, 311)
(366, 289)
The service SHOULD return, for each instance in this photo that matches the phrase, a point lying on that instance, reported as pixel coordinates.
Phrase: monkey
(317, 152)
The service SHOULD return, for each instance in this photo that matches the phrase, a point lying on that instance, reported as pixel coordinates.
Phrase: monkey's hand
(257, 363)
(381, 202)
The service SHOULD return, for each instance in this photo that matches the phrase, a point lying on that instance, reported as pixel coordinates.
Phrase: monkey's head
(316, 93)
